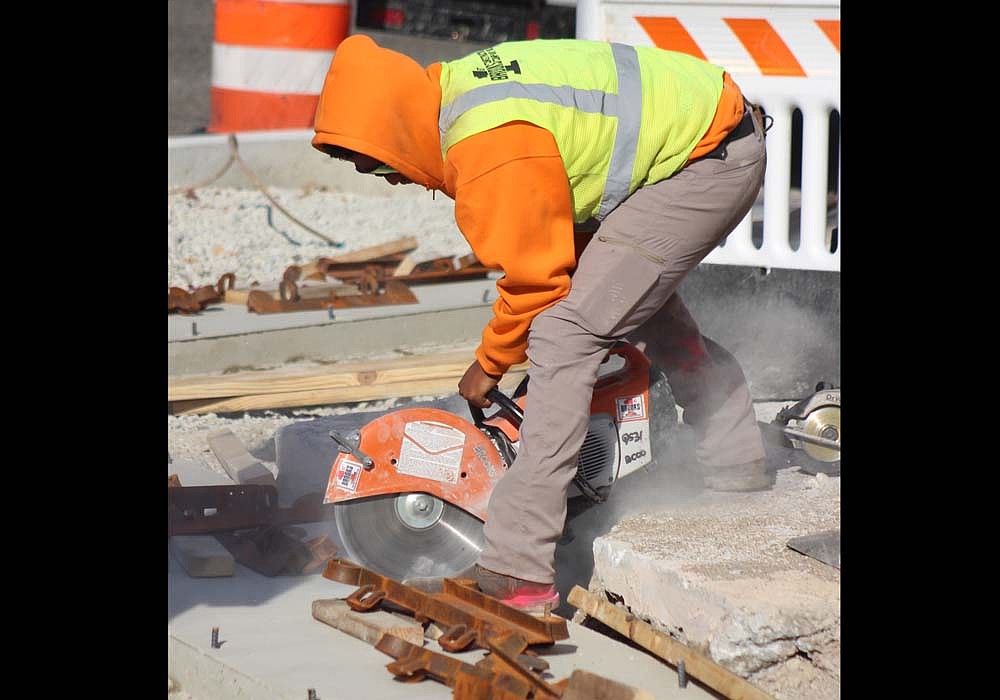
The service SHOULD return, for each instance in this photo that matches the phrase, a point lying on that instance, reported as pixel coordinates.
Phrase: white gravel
(222, 230)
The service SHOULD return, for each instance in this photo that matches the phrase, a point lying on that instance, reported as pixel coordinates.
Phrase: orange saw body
(411, 489)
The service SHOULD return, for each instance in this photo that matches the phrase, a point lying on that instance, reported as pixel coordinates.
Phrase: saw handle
(506, 404)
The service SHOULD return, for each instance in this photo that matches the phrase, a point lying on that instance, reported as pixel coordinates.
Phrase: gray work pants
(623, 288)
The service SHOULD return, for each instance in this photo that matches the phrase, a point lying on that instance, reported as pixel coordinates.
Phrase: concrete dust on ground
(729, 547)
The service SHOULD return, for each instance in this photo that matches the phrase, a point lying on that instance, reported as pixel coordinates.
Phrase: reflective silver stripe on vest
(627, 135)
(629, 114)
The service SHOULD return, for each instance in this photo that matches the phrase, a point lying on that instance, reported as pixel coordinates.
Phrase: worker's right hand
(474, 385)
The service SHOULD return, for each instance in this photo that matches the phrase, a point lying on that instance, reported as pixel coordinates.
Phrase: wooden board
(367, 626)
(318, 397)
(642, 633)
(340, 375)
(306, 291)
(405, 244)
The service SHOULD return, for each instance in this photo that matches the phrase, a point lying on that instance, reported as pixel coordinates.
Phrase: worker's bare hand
(474, 385)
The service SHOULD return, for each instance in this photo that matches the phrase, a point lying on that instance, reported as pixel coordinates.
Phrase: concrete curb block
(202, 676)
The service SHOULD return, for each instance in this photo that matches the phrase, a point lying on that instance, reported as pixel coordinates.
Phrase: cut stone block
(202, 556)
(242, 466)
(716, 574)
(367, 626)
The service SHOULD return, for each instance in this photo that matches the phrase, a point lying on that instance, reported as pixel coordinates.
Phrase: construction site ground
(712, 570)
(699, 559)
(271, 648)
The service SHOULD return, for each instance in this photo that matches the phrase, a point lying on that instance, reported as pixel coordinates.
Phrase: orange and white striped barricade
(269, 59)
(785, 55)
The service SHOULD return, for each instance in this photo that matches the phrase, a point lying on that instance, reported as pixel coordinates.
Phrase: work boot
(749, 476)
(526, 596)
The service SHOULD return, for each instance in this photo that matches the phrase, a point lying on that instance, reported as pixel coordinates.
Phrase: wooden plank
(337, 376)
(350, 394)
(367, 626)
(406, 244)
(405, 266)
(584, 685)
(310, 290)
(642, 633)
(202, 556)
(241, 466)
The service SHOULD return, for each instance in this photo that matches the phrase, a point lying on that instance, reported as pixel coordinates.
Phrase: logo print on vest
(495, 69)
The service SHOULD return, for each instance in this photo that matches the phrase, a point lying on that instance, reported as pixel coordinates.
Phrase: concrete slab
(716, 572)
(273, 649)
(228, 336)
(234, 319)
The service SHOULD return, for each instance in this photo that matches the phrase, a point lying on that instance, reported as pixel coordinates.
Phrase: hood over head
(385, 105)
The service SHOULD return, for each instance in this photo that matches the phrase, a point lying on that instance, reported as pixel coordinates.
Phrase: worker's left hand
(474, 385)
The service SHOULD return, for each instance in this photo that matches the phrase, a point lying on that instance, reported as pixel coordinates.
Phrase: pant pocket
(611, 286)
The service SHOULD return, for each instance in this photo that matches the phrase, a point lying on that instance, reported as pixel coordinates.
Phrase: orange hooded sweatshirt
(511, 191)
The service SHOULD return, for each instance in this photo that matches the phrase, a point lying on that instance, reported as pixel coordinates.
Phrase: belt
(744, 128)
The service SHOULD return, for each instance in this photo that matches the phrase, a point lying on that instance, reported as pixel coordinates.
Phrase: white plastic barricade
(785, 55)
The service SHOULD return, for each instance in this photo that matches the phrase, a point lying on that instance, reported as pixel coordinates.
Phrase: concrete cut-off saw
(410, 488)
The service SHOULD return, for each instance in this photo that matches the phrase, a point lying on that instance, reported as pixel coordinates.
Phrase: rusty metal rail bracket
(199, 510)
(196, 510)
(188, 302)
(413, 663)
(467, 616)
(373, 293)
(491, 678)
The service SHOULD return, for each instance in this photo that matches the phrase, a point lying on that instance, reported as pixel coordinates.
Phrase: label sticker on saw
(631, 408)
(431, 451)
(346, 474)
(634, 443)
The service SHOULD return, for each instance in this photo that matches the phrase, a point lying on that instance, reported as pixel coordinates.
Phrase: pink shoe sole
(533, 603)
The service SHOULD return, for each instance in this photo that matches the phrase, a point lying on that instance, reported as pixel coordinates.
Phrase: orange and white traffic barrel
(269, 60)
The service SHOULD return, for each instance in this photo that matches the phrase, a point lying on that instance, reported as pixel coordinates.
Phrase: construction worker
(596, 176)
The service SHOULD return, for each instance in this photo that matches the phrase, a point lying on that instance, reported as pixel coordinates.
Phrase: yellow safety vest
(622, 116)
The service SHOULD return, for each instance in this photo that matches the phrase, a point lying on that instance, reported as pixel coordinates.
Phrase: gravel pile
(220, 230)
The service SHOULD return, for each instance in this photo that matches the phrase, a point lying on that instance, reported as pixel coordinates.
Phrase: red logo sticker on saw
(345, 477)
(631, 408)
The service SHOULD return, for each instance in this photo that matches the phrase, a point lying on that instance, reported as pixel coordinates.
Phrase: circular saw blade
(824, 422)
(376, 535)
